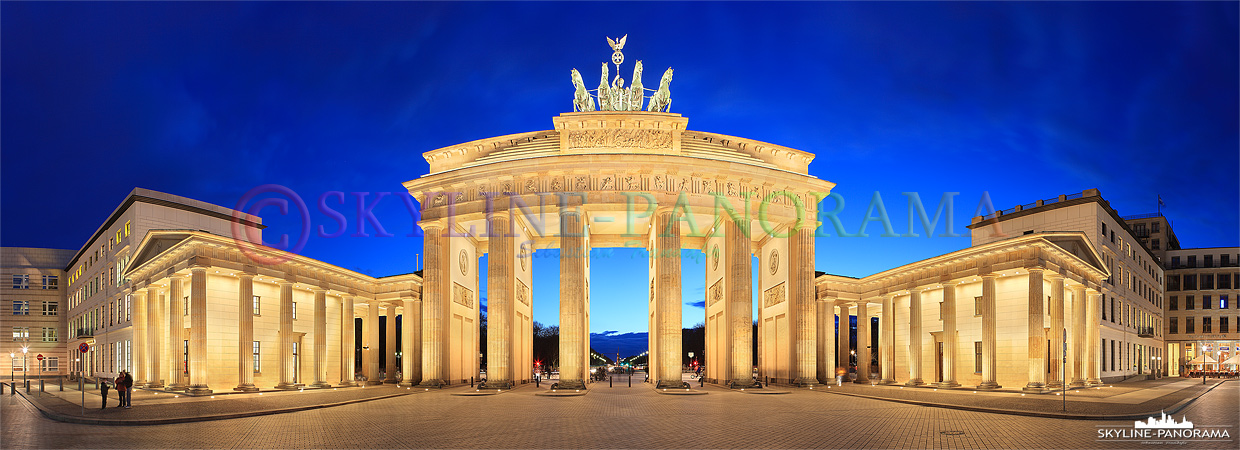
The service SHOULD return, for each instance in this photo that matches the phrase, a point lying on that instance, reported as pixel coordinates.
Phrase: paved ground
(619, 417)
(1137, 397)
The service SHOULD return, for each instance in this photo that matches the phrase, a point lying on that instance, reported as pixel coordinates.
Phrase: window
(257, 304)
(1209, 261)
(1173, 282)
(186, 306)
(51, 282)
(128, 307)
(21, 333)
(51, 364)
(1224, 281)
(1222, 302)
(294, 310)
(1104, 229)
(1206, 325)
(1174, 304)
(1205, 302)
(126, 228)
(257, 359)
(1207, 281)
(49, 334)
(940, 310)
(1189, 326)
(21, 307)
(1192, 260)
(1175, 325)
(1104, 355)
(1222, 325)
(1112, 355)
(1175, 262)
(1154, 244)
(1112, 309)
(977, 357)
(1189, 303)
(50, 308)
(21, 281)
(1224, 260)
(1154, 226)
(977, 306)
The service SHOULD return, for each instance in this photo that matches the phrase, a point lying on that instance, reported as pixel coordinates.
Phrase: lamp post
(24, 366)
(12, 357)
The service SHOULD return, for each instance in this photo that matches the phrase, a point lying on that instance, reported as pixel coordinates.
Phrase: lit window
(50, 308)
(257, 304)
(257, 363)
(126, 228)
(49, 334)
(294, 310)
(51, 282)
(21, 307)
(21, 281)
(21, 333)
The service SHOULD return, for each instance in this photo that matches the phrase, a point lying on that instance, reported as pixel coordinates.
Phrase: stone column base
(198, 390)
(390, 380)
(289, 386)
(915, 382)
(246, 388)
(989, 385)
(437, 384)
(947, 384)
(1055, 385)
(743, 384)
(406, 384)
(346, 383)
(320, 385)
(498, 385)
(176, 387)
(373, 382)
(887, 382)
(860, 380)
(1093, 382)
(805, 382)
(154, 385)
(665, 384)
(571, 384)
(1035, 388)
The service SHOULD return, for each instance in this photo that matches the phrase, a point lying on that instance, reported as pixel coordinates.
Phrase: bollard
(609, 382)
(630, 380)
(701, 382)
(537, 381)
(62, 383)
(41, 385)
(27, 385)
(471, 381)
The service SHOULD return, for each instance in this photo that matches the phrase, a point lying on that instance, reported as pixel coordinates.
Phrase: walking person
(128, 389)
(120, 390)
(103, 390)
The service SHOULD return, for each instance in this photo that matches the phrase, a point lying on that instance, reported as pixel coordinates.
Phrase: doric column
(1091, 340)
(176, 334)
(738, 267)
(826, 340)
(989, 334)
(1037, 333)
(245, 333)
(320, 339)
(573, 354)
(286, 337)
(914, 338)
(140, 368)
(370, 353)
(411, 330)
(1057, 332)
(950, 340)
(666, 254)
(842, 354)
(500, 296)
(802, 302)
(348, 342)
(198, 331)
(390, 349)
(434, 298)
(886, 341)
(864, 355)
(154, 332)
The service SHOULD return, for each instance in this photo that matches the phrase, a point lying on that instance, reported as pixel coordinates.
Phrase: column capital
(947, 284)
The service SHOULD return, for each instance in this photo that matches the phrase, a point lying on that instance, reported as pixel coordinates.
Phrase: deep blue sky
(1023, 101)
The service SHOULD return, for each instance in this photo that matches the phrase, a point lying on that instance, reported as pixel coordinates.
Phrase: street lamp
(12, 357)
(24, 367)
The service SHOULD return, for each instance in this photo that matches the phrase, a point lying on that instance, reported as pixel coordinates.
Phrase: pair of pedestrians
(124, 390)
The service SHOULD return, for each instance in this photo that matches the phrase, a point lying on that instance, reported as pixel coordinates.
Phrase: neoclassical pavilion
(213, 313)
(616, 179)
(992, 315)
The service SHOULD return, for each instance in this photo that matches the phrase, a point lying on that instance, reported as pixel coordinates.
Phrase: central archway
(619, 179)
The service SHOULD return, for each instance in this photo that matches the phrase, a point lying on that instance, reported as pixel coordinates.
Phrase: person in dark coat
(128, 389)
(103, 390)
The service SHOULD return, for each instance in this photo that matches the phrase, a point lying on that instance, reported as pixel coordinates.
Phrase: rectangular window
(1175, 262)
(49, 334)
(1112, 355)
(21, 307)
(186, 305)
(51, 282)
(126, 228)
(1222, 325)
(1175, 325)
(1154, 244)
(1189, 326)
(977, 306)
(1206, 325)
(1205, 302)
(1112, 309)
(51, 364)
(1173, 282)
(257, 304)
(50, 308)
(1190, 303)
(1174, 304)
(1154, 227)
(1222, 302)
(1224, 260)
(977, 357)
(21, 333)
(1207, 281)
(128, 307)
(1224, 281)
(21, 281)
(1103, 359)
(1209, 261)
(1192, 261)
(294, 310)
(257, 359)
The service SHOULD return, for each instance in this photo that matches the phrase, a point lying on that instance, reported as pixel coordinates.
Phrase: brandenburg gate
(615, 174)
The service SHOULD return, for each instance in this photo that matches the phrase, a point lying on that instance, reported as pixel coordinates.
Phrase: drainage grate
(952, 433)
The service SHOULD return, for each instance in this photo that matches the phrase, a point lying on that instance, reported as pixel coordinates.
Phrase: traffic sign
(83, 348)
(40, 357)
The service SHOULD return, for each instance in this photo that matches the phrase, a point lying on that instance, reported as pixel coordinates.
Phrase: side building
(1203, 320)
(1131, 342)
(33, 308)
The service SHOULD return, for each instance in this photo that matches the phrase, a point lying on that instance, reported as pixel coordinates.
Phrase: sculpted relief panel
(620, 138)
(773, 296)
(461, 295)
(716, 293)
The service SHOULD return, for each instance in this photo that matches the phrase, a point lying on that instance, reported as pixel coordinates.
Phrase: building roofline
(170, 200)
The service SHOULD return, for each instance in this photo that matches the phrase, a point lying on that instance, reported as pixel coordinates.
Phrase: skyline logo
(1163, 423)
